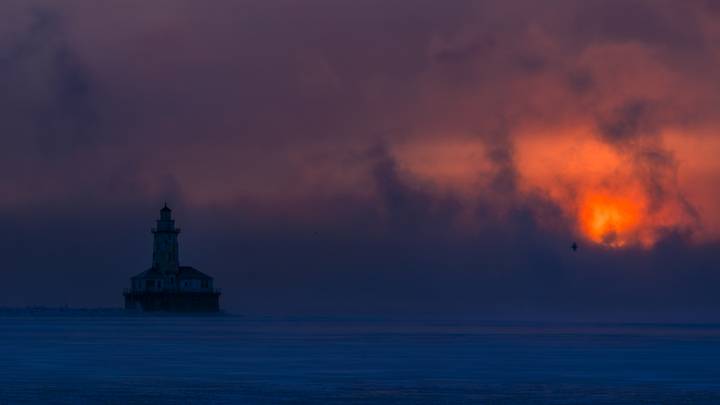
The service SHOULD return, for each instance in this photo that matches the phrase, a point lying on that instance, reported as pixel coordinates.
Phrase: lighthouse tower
(165, 244)
(168, 286)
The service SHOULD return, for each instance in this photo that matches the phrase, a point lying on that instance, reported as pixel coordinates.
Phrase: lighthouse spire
(165, 243)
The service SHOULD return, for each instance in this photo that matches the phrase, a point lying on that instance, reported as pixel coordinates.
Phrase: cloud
(49, 95)
(424, 158)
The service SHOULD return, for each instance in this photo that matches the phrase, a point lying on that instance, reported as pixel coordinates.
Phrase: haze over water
(111, 358)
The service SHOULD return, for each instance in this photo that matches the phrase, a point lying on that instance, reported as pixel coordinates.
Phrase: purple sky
(400, 158)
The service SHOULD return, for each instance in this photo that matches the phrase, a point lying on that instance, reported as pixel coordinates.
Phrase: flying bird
(574, 247)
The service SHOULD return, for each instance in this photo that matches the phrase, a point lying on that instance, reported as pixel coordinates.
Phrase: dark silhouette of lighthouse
(168, 286)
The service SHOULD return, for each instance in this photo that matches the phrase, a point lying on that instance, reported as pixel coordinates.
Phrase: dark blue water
(158, 360)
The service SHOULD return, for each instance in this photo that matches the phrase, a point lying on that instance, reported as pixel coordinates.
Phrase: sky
(367, 158)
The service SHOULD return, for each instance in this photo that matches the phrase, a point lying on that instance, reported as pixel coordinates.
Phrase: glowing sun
(610, 220)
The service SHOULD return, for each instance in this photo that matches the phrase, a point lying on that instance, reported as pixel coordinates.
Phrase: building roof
(152, 272)
(191, 272)
(184, 272)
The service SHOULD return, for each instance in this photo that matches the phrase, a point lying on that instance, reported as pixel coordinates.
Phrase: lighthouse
(166, 285)
(165, 243)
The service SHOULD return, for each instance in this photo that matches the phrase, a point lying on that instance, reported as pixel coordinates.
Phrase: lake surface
(112, 358)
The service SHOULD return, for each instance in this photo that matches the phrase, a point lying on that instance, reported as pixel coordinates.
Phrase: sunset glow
(610, 220)
(367, 158)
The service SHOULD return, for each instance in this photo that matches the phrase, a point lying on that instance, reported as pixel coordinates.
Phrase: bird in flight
(574, 247)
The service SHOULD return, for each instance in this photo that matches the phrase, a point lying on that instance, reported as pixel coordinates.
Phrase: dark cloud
(666, 24)
(580, 81)
(49, 93)
(305, 147)
(628, 121)
(409, 208)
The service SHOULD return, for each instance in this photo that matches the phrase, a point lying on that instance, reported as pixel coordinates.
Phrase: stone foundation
(172, 301)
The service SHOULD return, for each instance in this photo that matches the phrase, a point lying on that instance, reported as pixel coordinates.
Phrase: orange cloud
(605, 190)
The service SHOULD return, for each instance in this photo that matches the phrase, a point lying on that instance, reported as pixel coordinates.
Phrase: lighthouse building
(168, 286)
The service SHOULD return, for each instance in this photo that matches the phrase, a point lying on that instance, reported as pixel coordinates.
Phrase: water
(111, 358)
